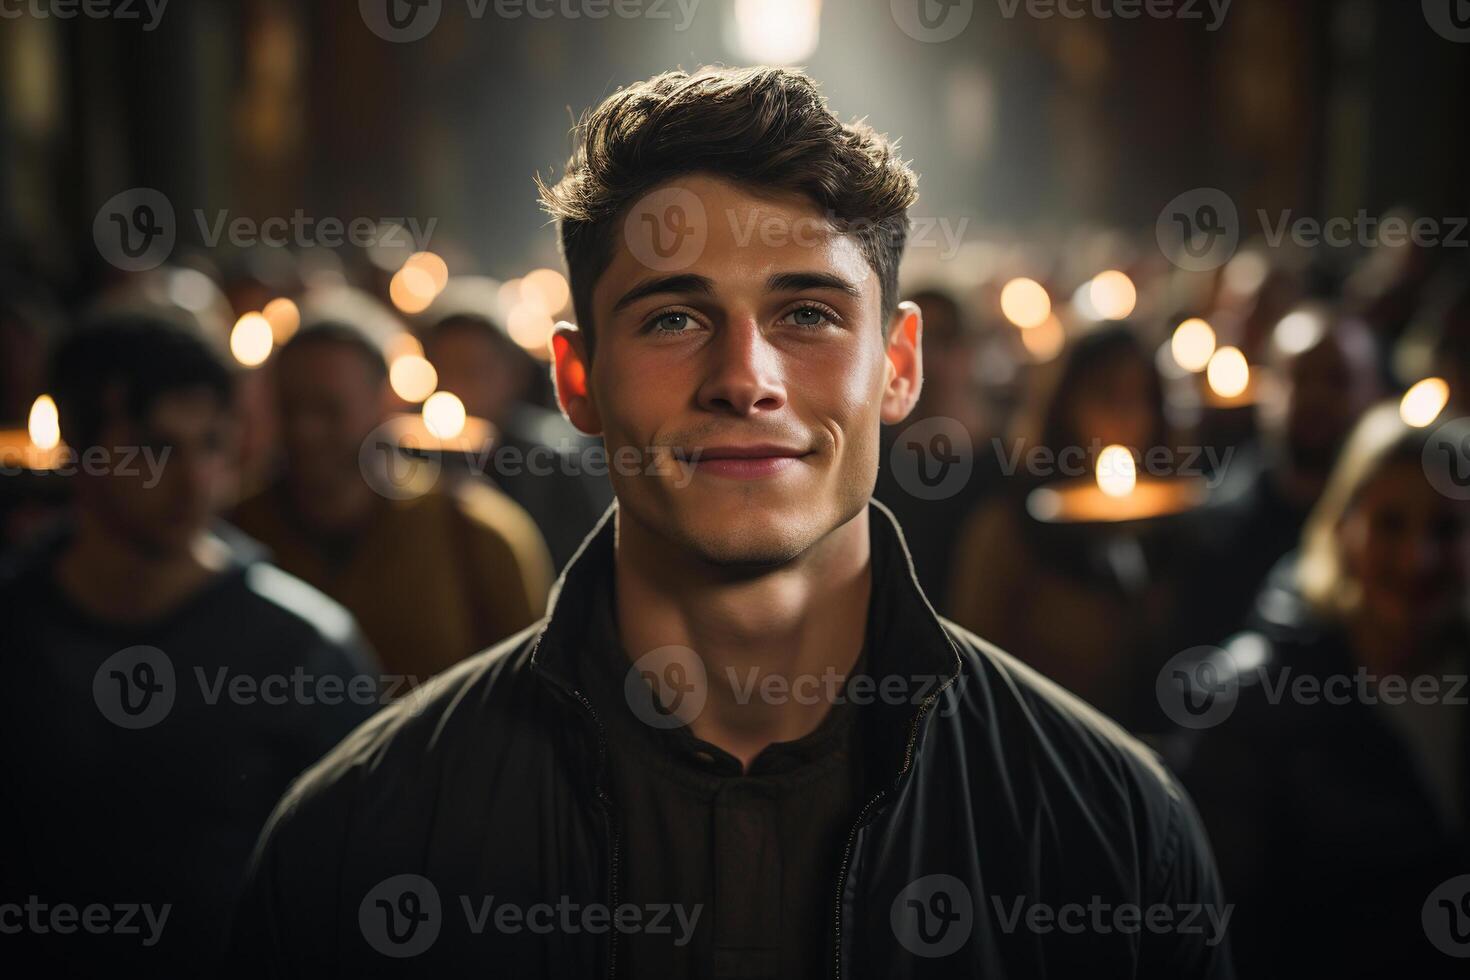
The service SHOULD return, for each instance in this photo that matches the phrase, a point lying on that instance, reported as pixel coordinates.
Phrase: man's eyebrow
(795, 281)
(686, 283)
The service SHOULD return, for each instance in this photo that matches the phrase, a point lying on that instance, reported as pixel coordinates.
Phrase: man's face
(331, 399)
(750, 380)
(172, 470)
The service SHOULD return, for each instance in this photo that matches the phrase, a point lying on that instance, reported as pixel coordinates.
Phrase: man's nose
(743, 373)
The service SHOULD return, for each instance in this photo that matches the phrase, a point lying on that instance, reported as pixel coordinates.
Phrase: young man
(742, 744)
(162, 685)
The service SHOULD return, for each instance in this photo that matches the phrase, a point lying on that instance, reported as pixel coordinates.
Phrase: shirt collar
(909, 647)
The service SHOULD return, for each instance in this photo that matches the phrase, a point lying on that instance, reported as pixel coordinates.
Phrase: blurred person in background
(1079, 603)
(952, 393)
(433, 576)
(131, 772)
(538, 459)
(1322, 374)
(1336, 784)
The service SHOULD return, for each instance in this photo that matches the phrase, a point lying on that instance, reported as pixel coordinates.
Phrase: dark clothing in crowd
(1231, 548)
(931, 526)
(542, 463)
(773, 837)
(148, 799)
(994, 794)
(1334, 817)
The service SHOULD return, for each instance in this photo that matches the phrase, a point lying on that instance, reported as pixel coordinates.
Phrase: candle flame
(1116, 474)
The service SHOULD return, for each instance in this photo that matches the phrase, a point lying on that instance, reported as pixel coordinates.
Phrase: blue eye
(670, 322)
(808, 316)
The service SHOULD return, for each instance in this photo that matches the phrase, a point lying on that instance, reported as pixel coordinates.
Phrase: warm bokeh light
(402, 344)
(531, 328)
(444, 415)
(413, 378)
(251, 340)
(412, 290)
(509, 295)
(1045, 340)
(1193, 344)
(775, 32)
(1116, 473)
(1422, 403)
(1025, 302)
(1299, 332)
(44, 424)
(545, 289)
(1228, 373)
(284, 318)
(431, 265)
(1113, 295)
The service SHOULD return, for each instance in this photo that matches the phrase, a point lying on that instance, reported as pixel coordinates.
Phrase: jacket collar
(908, 647)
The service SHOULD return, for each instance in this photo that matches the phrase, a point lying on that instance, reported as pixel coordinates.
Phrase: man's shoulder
(456, 720)
(1035, 724)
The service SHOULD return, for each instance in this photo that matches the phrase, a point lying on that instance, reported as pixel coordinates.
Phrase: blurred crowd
(352, 476)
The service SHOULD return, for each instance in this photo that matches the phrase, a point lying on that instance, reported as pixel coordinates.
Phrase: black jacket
(999, 800)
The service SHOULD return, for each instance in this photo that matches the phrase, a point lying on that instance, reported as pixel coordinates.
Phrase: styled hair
(768, 128)
(1380, 439)
(123, 363)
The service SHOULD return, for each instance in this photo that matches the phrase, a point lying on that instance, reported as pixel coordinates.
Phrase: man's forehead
(731, 236)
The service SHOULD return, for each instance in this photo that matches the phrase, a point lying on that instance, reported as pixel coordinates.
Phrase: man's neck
(120, 582)
(803, 622)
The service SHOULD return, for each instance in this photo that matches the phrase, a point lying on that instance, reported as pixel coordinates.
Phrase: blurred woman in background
(1078, 602)
(1335, 789)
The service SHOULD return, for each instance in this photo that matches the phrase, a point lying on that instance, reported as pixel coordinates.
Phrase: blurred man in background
(433, 576)
(141, 753)
(538, 459)
(1323, 374)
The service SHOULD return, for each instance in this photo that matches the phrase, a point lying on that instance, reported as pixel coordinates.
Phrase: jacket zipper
(604, 798)
(908, 759)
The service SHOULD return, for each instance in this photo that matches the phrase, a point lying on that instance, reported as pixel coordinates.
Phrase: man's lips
(743, 462)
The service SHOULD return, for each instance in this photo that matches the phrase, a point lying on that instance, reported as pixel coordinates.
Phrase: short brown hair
(767, 127)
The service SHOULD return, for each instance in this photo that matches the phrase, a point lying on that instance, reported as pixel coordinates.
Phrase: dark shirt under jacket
(754, 855)
(97, 813)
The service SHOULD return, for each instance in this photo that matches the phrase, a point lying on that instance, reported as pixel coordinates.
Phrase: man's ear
(905, 363)
(569, 373)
